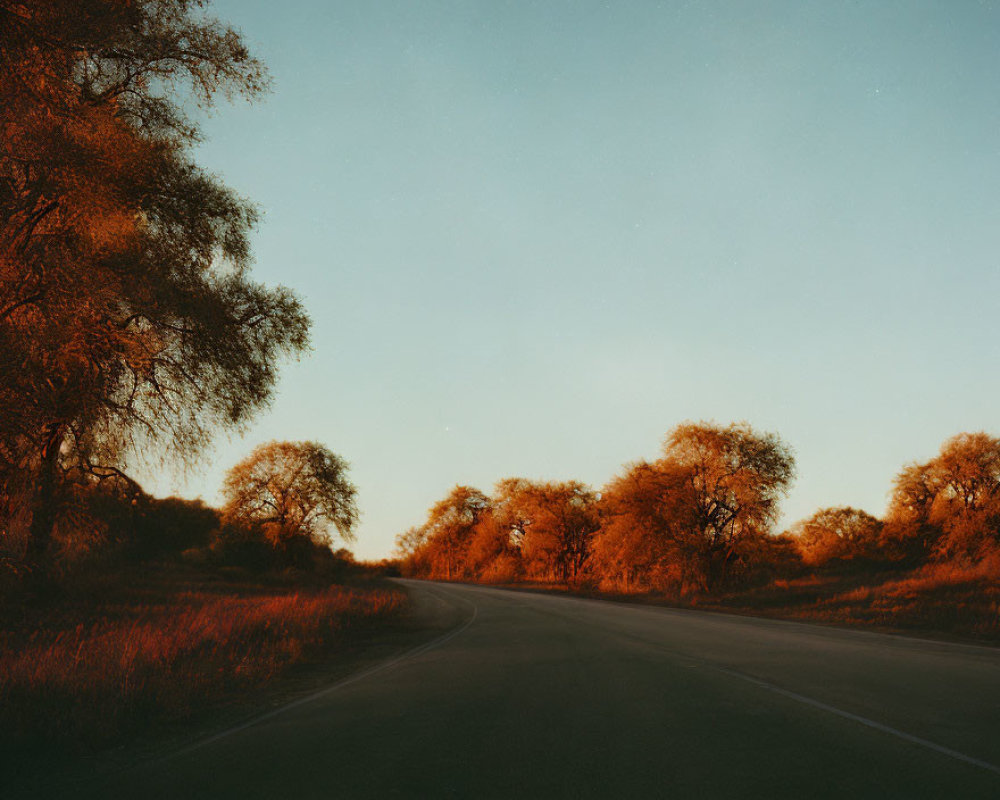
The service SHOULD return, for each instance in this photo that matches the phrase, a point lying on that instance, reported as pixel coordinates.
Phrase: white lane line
(732, 616)
(870, 723)
(801, 698)
(360, 676)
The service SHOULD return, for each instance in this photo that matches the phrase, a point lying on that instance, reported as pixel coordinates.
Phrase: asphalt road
(526, 695)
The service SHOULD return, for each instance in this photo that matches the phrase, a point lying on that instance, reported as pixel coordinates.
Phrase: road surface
(528, 695)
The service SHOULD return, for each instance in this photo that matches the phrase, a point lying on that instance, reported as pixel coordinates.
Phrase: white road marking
(870, 723)
(690, 660)
(382, 667)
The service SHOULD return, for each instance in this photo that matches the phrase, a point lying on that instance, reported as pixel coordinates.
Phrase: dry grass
(86, 670)
(960, 600)
(953, 600)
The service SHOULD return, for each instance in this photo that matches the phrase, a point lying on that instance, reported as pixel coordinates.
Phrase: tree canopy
(693, 518)
(292, 489)
(841, 533)
(551, 522)
(648, 528)
(450, 526)
(949, 505)
(127, 311)
(736, 478)
(701, 519)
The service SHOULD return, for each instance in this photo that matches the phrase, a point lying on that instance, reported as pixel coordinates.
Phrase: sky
(533, 237)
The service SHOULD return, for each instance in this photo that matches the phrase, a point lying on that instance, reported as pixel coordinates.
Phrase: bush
(172, 525)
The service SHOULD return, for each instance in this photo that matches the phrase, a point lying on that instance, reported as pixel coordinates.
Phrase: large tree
(648, 537)
(689, 520)
(734, 478)
(841, 533)
(292, 490)
(950, 505)
(127, 313)
(441, 546)
(552, 523)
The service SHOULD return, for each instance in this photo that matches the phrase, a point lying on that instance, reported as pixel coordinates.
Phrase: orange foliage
(645, 514)
(837, 534)
(948, 507)
(697, 517)
(167, 655)
(291, 490)
(126, 310)
(696, 526)
(550, 524)
(440, 549)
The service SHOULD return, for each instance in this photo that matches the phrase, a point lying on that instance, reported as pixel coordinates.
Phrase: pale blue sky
(535, 236)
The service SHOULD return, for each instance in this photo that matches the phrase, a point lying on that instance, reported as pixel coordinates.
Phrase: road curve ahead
(533, 695)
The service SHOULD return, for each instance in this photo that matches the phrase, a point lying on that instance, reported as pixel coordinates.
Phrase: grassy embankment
(960, 601)
(947, 600)
(120, 653)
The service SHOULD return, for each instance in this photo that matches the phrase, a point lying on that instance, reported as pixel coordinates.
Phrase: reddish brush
(130, 663)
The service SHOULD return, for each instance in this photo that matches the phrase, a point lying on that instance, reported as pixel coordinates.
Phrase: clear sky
(535, 236)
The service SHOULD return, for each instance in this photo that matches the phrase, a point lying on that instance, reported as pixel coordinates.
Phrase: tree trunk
(43, 511)
(711, 578)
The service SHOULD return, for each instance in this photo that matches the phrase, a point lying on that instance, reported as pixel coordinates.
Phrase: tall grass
(123, 663)
(960, 599)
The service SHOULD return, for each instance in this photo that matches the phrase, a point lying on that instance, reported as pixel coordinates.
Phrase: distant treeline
(701, 519)
(285, 506)
(106, 529)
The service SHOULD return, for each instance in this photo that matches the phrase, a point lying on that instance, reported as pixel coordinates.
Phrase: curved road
(529, 695)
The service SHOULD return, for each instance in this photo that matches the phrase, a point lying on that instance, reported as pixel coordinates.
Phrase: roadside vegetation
(131, 328)
(123, 652)
(956, 599)
(153, 611)
(698, 527)
(132, 332)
